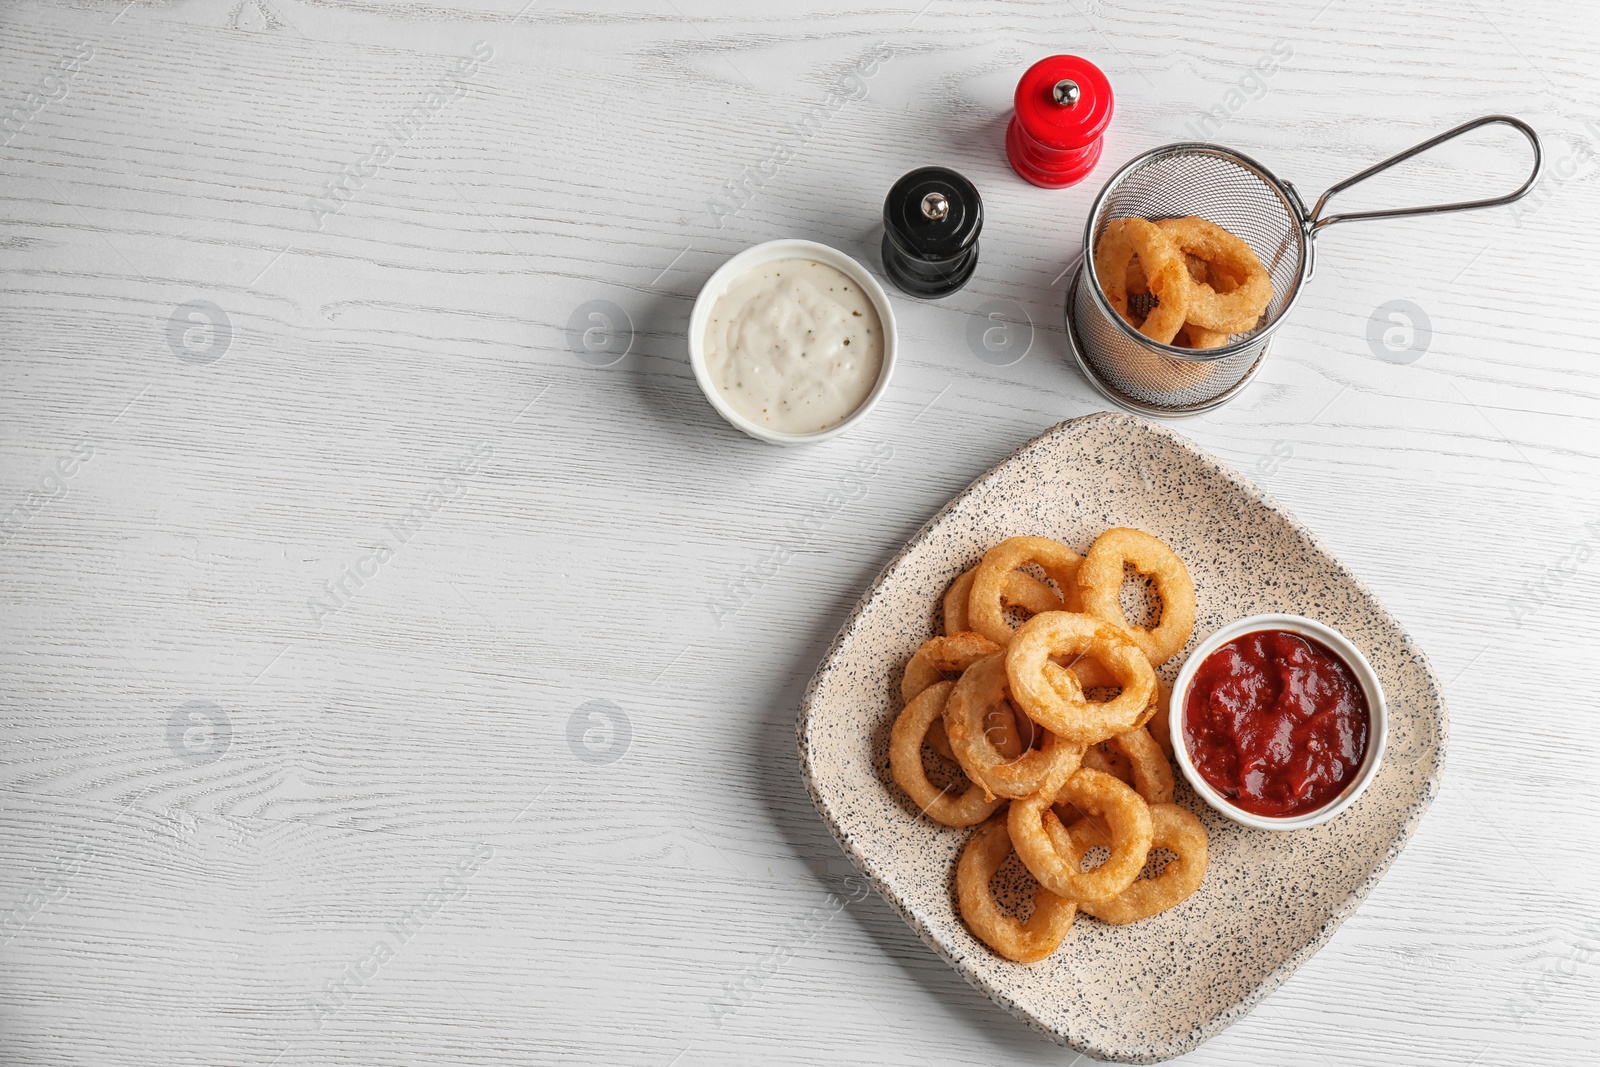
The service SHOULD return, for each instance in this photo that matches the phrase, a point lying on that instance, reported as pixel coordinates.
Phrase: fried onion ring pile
(1208, 286)
(1056, 726)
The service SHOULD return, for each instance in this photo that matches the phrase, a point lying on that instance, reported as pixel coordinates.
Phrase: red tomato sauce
(1276, 723)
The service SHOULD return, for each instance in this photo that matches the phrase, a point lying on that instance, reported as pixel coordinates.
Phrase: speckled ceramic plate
(1155, 989)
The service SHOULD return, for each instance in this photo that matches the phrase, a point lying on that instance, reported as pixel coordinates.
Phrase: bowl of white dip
(792, 341)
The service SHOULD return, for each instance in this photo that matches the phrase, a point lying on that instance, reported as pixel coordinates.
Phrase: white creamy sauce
(794, 345)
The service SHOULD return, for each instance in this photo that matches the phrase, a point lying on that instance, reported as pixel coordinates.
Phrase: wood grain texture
(161, 907)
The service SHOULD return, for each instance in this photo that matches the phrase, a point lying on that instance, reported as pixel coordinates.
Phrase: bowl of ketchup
(1278, 722)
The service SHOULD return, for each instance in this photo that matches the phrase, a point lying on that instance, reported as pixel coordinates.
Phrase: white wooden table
(385, 681)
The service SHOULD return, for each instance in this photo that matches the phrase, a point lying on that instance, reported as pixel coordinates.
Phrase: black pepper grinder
(931, 221)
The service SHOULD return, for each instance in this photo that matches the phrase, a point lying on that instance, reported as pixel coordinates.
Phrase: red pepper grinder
(1063, 108)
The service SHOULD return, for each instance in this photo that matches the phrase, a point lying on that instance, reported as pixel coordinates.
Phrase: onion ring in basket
(1174, 829)
(1126, 815)
(1167, 275)
(1020, 590)
(1233, 312)
(986, 603)
(905, 764)
(982, 687)
(1221, 279)
(1052, 697)
(1114, 266)
(1199, 338)
(1162, 272)
(1026, 942)
(1200, 270)
(1100, 581)
(1188, 336)
(1134, 281)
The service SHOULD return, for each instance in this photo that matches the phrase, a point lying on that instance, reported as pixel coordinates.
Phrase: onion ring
(1165, 273)
(1160, 724)
(1008, 729)
(1232, 312)
(986, 604)
(1157, 706)
(1114, 265)
(1020, 590)
(1134, 759)
(953, 652)
(1221, 280)
(1126, 815)
(1099, 758)
(1162, 273)
(955, 602)
(1174, 829)
(938, 741)
(929, 664)
(1134, 281)
(1100, 581)
(1152, 774)
(1189, 335)
(905, 764)
(1199, 338)
(1051, 695)
(1026, 942)
(965, 721)
(1029, 733)
(1090, 672)
(1011, 730)
(1067, 812)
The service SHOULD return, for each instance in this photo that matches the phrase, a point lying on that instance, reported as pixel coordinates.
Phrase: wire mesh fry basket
(1242, 196)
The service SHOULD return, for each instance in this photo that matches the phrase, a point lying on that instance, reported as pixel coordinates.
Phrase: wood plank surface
(343, 604)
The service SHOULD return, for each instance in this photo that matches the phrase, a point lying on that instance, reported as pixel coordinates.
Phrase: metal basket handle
(1316, 222)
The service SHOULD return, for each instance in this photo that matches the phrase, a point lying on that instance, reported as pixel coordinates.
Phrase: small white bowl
(1339, 645)
(766, 253)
